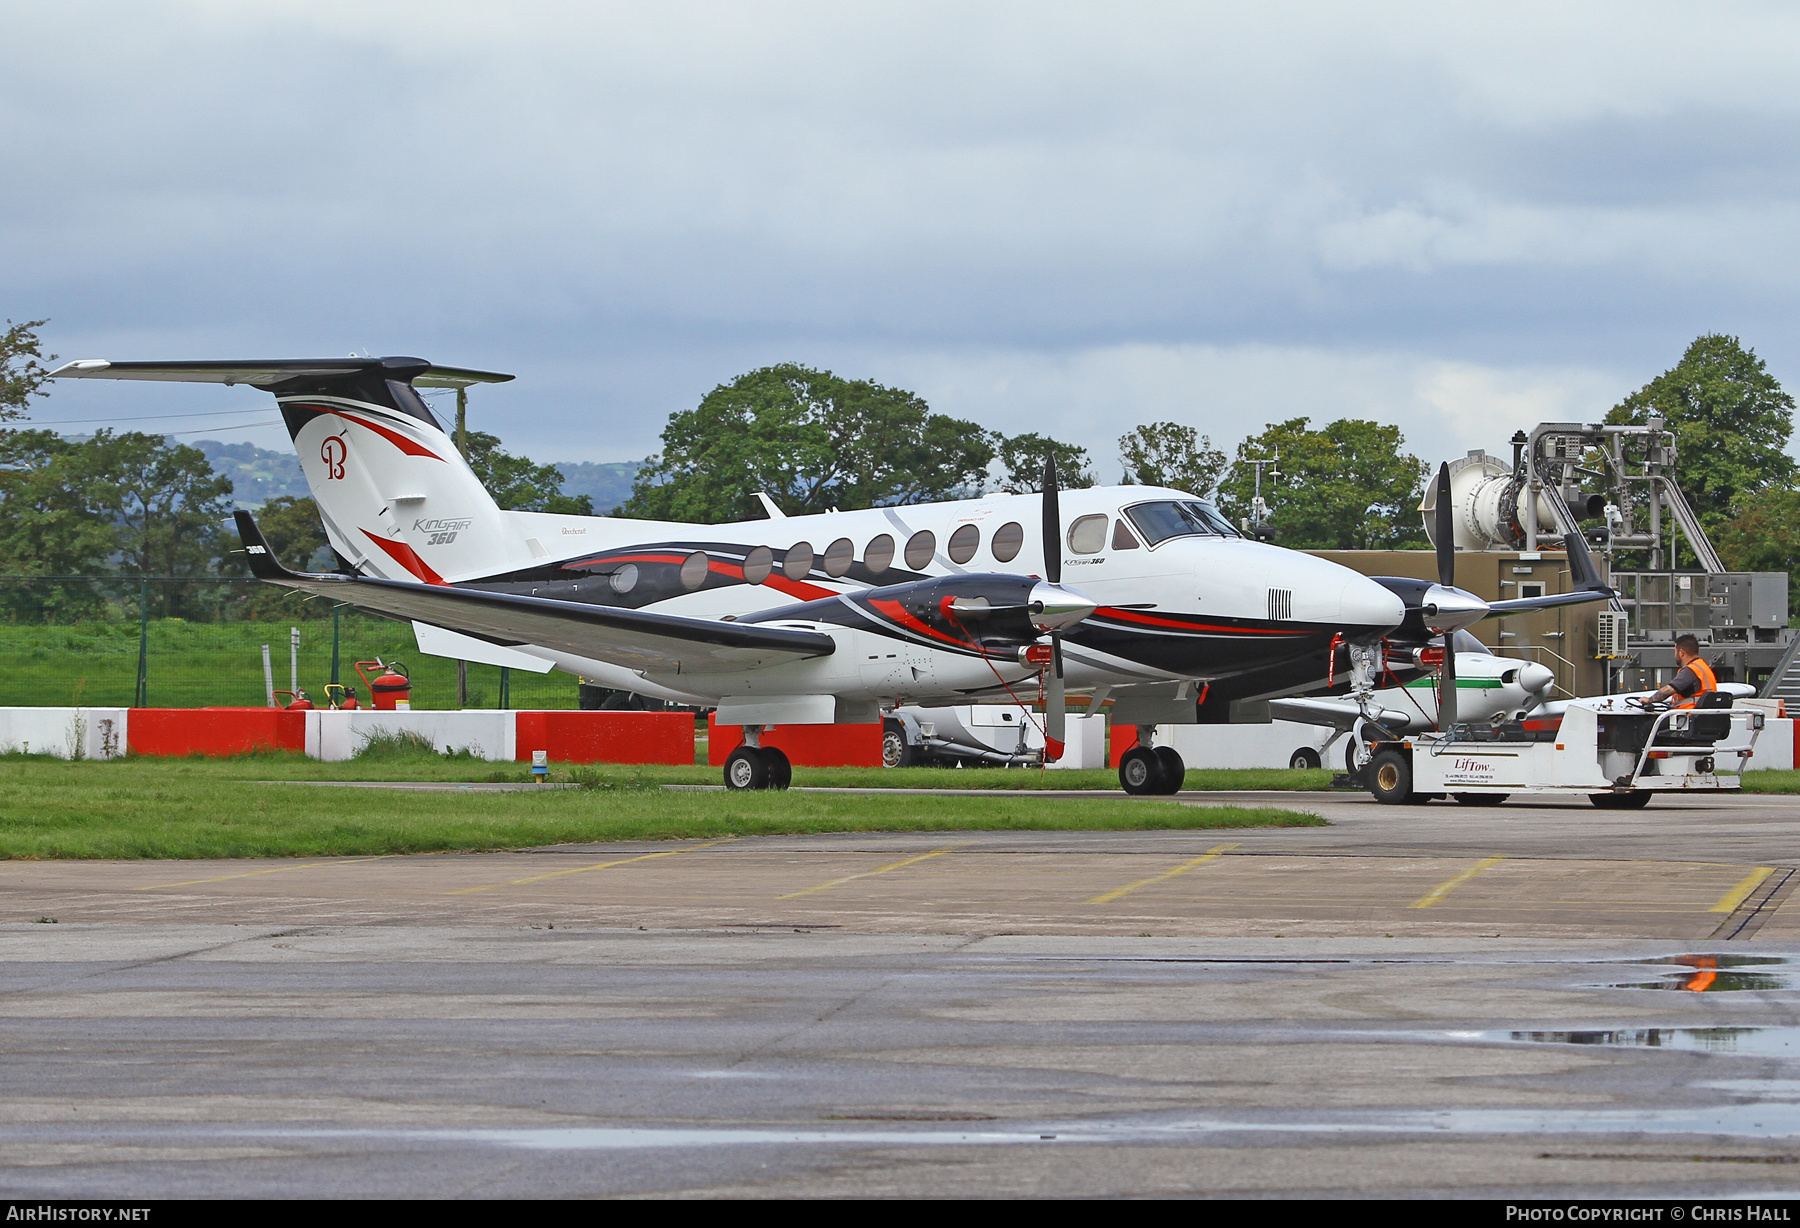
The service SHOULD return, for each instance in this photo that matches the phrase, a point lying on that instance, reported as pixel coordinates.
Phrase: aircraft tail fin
(397, 498)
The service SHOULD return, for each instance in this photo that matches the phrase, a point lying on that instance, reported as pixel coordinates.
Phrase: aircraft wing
(1548, 601)
(1335, 713)
(635, 639)
(1588, 586)
(262, 372)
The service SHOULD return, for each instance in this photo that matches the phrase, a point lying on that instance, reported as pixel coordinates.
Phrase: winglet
(263, 563)
(1582, 572)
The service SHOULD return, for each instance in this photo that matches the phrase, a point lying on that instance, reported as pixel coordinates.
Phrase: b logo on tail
(333, 452)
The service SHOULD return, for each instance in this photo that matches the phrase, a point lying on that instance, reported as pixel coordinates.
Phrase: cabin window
(798, 563)
(693, 571)
(880, 555)
(1007, 540)
(1088, 535)
(1122, 538)
(625, 579)
(1162, 520)
(919, 549)
(758, 564)
(963, 543)
(838, 557)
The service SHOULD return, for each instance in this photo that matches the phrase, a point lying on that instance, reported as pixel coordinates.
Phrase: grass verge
(393, 761)
(191, 809)
(1771, 782)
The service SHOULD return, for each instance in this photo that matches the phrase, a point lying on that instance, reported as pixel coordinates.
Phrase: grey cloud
(630, 203)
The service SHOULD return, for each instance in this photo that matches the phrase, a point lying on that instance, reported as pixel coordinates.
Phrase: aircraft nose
(1534, 677)
(1364, 603)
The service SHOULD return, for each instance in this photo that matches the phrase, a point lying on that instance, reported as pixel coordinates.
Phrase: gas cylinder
(390, 691)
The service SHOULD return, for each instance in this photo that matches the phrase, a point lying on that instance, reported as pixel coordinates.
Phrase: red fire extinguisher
(300, 702)
(390, 691)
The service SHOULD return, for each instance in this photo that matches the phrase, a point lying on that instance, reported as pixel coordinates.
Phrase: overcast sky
(1059, 217)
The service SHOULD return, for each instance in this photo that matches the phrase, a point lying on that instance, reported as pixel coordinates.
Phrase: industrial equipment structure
(1615, 485)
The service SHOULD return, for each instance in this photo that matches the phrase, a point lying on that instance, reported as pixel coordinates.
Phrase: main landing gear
(758, 767)
(1147, 769)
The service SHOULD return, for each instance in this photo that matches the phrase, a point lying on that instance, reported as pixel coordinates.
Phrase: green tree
(1170, 454)
(1731, 421)
(1346, 486)
(51, 524)
(1022, 459)
(168, 509)
(22, 369)
(295, 532)
(518, 484)
(1765, 536)
(813, 442)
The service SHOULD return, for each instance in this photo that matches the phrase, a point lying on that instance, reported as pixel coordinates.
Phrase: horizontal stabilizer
(635, 639)
(266, 372)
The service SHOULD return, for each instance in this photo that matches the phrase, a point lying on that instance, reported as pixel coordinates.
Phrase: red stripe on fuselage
(408, 558)
(1132, 616)
(897, 612)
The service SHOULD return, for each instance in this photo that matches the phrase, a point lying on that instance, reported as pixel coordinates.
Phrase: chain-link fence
(175, 642)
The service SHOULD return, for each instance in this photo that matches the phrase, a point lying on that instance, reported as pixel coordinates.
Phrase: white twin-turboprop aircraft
(826, 618)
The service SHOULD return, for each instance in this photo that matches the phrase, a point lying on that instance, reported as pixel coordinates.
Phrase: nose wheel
(1151, 770)
(758, 767)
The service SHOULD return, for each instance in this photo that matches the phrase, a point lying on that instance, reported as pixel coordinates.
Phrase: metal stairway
(1784, 683)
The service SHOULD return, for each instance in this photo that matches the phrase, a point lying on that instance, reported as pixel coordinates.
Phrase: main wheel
(1174, 770)
(1390, 778)
(746, 769)
(896, 751)
(781, 772)
(1637, 799)
(1305, 757)
(1481, 799)
(1141, 771)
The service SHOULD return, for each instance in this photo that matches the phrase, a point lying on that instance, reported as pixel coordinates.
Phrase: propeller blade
(1444, 530)
(1055, 702)
(1447, 686)
(1052, 525)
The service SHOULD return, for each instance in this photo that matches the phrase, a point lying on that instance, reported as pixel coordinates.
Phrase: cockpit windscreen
(1160, 521)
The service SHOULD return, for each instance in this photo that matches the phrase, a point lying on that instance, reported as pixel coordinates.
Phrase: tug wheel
(1637, 799)
(1391, 778)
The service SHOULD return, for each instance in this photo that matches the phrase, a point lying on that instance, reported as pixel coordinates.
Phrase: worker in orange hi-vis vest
(1694, 678)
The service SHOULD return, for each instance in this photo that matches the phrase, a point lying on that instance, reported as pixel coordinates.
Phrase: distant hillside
(257, 474)
(608, 483)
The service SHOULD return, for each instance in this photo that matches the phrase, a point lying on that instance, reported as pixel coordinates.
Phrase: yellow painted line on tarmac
(1211, 854)
(1737, 895)
(850, 878)
(1436, 894)
(598, 865)
(311, 865)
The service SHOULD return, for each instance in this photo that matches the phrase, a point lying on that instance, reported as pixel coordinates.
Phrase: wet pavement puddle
(1718, 974)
